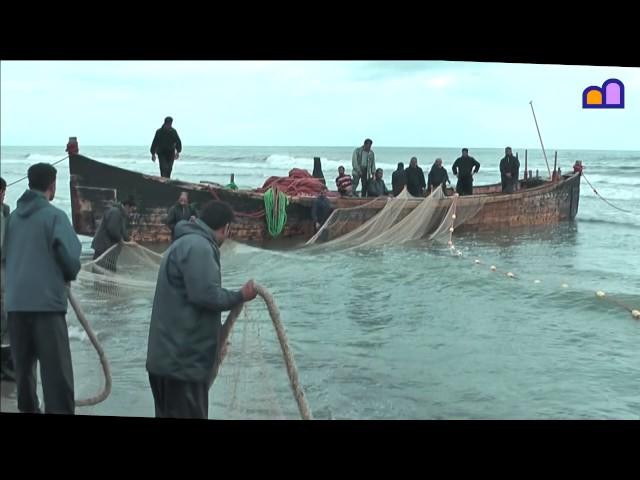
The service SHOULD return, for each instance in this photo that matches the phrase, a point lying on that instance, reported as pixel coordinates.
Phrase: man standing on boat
(167, 145)
(183, 346)
(509, 170)
(180, 211)
(42, 258)
(465, 167)
(398, 180)
(363, 162)
(415, 178)
(438, 176)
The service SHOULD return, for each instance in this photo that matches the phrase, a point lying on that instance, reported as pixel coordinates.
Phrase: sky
(315, 103)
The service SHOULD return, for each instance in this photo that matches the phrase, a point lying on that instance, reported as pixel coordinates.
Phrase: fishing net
(395, 221)
(252, 381)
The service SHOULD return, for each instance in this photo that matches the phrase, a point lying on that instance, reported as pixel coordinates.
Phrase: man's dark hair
(400, 165)
(41, 176)
(465, 150)
(3, 184)
(217, 214)
(368, 140)
(168, 120)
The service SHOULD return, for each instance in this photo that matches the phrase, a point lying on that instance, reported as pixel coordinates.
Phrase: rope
(633, 312)
(275, 202)
(101, 396)
(602, 198)
(27, 176)
(292, 371)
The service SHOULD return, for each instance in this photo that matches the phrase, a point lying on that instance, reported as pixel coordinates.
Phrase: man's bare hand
(249, 291)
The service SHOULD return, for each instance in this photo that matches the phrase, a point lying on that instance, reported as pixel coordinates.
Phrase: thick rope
(25, 177)
(292, 371)
(101, 396)
(602, 198)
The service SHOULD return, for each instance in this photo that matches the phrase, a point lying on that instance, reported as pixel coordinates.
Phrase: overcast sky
(314, 103)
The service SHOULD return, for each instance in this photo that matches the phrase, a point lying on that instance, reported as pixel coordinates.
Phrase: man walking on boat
(167, 145)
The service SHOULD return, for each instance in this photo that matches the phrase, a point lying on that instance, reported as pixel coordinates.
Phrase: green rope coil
(275, 211)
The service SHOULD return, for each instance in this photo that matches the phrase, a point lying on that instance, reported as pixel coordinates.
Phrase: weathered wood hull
(94, 185)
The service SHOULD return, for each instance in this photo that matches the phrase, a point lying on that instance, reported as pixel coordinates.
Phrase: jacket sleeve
(372, 165)
(422, 182)
(201, 274)
(385, 189)
(454, 168)
(354, 161)
(476, 165)
(154, 144)
(66, 247)
(178, 143)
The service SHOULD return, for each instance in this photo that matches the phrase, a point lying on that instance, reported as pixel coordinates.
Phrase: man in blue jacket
(42, 257)
(186, 315)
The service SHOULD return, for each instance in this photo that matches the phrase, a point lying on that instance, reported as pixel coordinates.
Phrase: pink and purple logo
(611, 95)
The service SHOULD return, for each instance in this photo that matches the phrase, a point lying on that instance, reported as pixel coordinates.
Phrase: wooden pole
(554, 177)
(526, 172)
(540, 137)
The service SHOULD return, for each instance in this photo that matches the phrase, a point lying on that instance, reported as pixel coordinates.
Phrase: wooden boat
(95, 185)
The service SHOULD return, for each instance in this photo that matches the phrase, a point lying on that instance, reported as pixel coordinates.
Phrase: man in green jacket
(42, 258)
(363, 162)
(186, 316)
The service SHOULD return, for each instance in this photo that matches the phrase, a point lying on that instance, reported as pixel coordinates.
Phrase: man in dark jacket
(465, 167)
(320, 209)
(415, 178)
(438, 176)
(180, 211)
(377, 188)
(186, 316)
(398, 180)
(113, 228)
(6, 365)
(42, 258)
(167, 145)
(509, 170)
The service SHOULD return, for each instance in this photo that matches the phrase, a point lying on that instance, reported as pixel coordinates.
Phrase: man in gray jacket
(363, 162)
(42, 257)
(186, 316)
